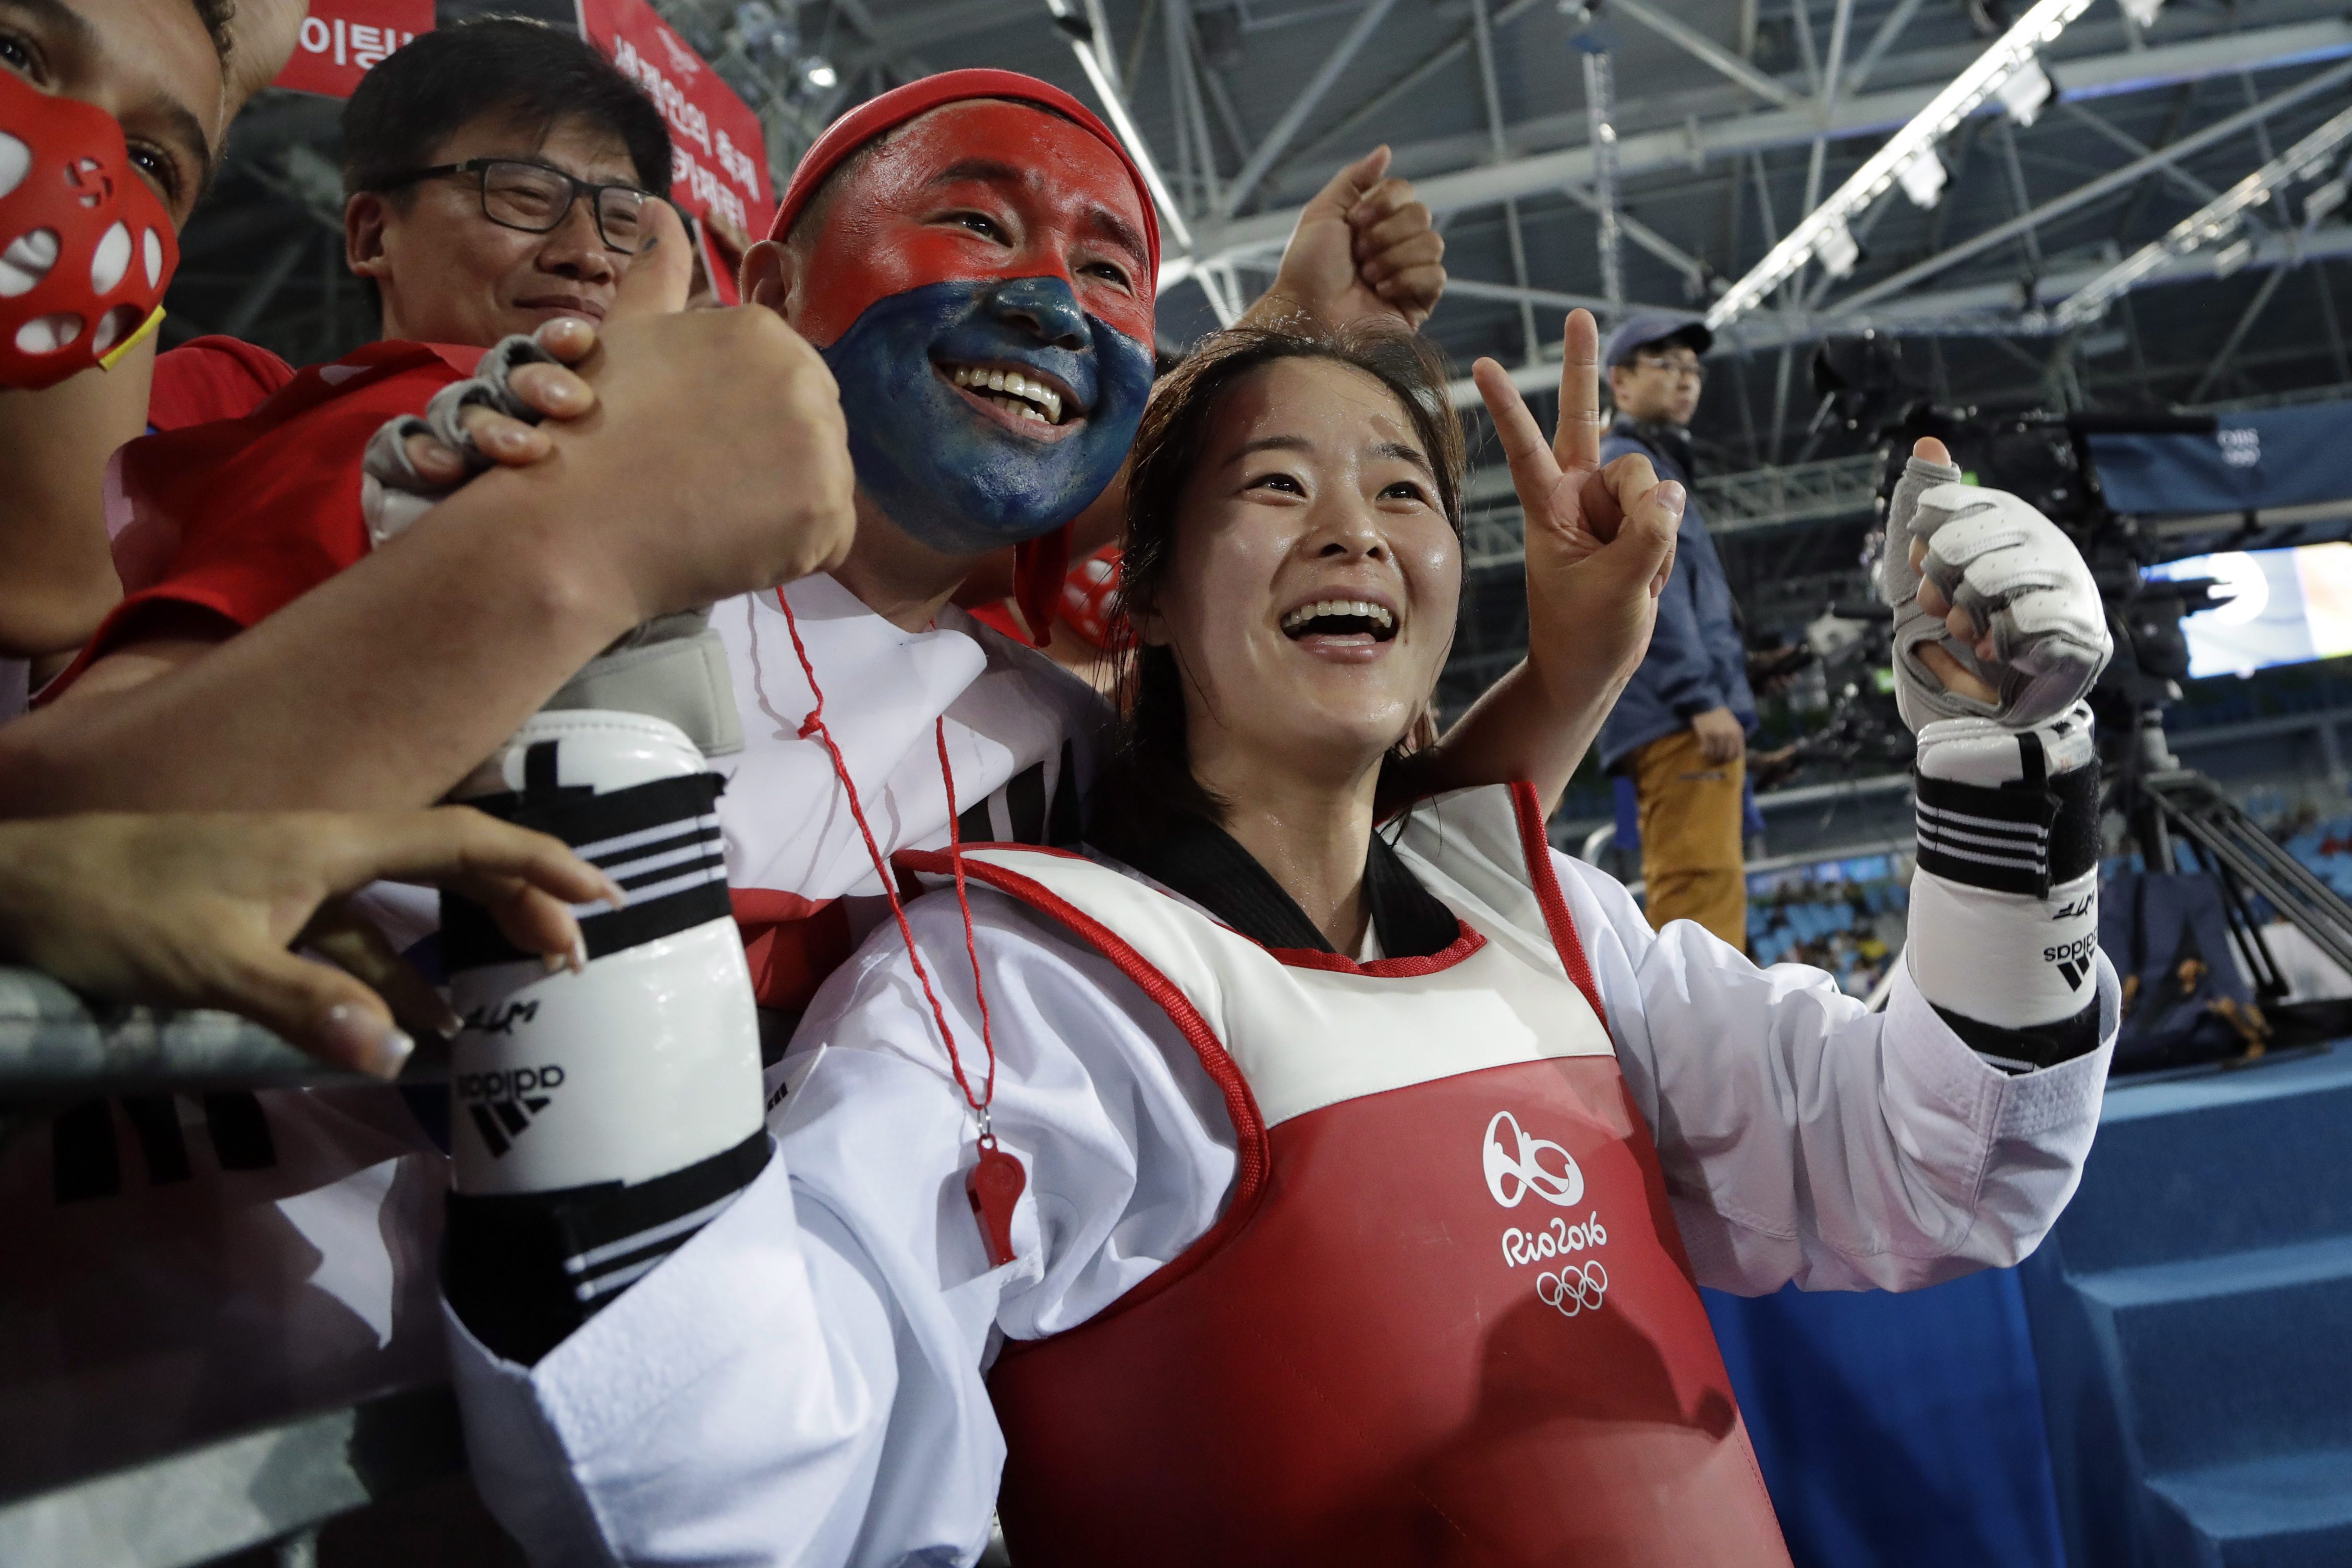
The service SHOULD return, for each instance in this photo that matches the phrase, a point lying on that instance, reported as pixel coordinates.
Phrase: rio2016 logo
(1518, 1164)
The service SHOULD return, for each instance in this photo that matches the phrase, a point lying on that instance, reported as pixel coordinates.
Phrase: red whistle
(994, 1186)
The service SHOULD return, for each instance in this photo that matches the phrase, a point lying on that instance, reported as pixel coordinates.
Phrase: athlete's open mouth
(1341, 618)
(1016, 390)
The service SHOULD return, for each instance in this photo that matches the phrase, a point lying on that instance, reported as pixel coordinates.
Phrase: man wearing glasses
(1680, 732)
(565, 206)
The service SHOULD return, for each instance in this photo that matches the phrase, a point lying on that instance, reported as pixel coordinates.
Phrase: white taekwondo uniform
(805, 1381)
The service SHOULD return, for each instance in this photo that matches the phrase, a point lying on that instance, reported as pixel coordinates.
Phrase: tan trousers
(1691, 852)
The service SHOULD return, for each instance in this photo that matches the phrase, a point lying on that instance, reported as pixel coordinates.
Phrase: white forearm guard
(2004, 926)
(648, 1061)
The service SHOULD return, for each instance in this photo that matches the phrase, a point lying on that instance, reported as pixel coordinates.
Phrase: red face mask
(979, 190)
(86, 248)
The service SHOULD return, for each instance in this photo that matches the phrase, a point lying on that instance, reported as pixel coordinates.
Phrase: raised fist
(1996, 614)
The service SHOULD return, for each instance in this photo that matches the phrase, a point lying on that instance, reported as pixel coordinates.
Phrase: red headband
(879, 115)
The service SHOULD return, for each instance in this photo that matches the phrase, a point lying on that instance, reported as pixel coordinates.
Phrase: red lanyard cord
(971, 943)
(814, 725)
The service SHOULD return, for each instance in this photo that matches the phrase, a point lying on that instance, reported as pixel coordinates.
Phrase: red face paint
(979, 189)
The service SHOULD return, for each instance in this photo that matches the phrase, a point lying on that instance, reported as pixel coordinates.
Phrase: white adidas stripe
(706, 824)
(2010, 863)
(623, 869)
(586, 1262)
(2035, 854)
(1987, 824)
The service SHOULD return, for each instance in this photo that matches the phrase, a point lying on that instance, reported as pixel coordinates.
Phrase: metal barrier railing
(56, 1045)
(274, 1485)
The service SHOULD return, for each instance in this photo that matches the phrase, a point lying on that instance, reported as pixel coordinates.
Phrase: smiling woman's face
(1312, 592)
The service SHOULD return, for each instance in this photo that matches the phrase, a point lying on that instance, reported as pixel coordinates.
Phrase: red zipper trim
(1537, 847)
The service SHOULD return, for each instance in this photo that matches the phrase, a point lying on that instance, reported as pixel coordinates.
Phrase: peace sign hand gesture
(1600, 540)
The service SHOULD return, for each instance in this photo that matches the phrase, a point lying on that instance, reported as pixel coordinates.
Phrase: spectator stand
(1844, 915)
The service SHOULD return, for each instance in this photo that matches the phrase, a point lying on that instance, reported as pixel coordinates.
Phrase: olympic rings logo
(1513, 1173)
(1573, 1291)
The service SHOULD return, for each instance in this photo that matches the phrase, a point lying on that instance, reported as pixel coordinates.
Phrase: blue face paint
(952, 476)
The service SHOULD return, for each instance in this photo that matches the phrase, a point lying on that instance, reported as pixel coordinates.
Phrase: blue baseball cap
(1644, 327)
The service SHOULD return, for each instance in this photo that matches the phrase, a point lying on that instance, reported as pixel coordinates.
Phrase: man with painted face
(994, 351)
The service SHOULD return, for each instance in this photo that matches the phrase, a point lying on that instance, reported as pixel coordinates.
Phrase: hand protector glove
(2004, 925)
(392, 494)
(2016, 572)
(86, 248)
(672, 668)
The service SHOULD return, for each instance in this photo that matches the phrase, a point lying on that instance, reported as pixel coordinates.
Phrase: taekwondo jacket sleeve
(804, 1382)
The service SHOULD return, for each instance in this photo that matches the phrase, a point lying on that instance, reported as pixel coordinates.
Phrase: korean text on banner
(342, 40)
(720, 158)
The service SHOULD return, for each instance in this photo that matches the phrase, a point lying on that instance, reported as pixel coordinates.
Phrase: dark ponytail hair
(1147, 780)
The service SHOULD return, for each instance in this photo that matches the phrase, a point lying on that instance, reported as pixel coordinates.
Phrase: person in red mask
(112, 114)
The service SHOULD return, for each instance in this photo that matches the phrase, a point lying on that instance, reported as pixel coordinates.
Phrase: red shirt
(212, 377)
(251, 513)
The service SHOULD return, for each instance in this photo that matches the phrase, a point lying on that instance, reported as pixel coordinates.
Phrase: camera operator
(1680, 732)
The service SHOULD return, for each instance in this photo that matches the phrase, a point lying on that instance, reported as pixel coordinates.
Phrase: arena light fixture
(2217, 220)
(2024, 91)
(2010, 53)
(1837, 250)
(1923, 177)
(818, 73)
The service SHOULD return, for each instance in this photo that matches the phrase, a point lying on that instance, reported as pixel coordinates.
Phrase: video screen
(2287, 607)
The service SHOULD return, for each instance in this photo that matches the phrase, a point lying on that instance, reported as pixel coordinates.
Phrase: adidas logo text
(2080, 949)
(2073, 959)
(501, 1104)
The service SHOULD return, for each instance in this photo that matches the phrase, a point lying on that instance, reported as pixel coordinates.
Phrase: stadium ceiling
(1732, 120)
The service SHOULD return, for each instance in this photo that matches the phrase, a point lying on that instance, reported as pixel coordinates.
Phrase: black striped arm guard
(2024, 837)
(2004, 910)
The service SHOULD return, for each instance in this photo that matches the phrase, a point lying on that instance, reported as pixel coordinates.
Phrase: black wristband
(2025, 837)
(2017, 1050)
(523, 1271)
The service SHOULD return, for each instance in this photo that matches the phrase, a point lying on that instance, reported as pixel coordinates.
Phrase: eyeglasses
(1672, 367)
(535, 199)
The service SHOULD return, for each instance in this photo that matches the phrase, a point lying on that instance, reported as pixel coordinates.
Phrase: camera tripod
(2163, 804)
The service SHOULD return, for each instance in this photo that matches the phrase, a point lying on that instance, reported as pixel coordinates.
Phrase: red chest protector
(1445, 1319)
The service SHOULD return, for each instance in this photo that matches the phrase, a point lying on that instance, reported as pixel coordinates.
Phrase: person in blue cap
(1680, 732)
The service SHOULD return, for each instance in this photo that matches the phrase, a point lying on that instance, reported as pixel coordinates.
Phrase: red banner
(719, 160)
(342, 40)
